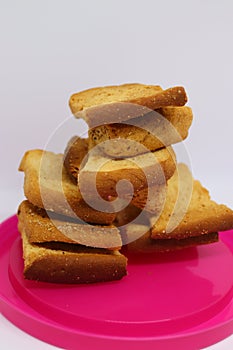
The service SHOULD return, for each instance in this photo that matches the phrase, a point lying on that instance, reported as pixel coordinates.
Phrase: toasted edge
(66, 266)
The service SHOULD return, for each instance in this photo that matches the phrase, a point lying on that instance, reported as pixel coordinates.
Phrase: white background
(51, 49)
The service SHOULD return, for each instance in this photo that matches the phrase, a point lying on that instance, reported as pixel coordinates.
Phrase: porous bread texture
(48, 185)
(41, 226)
(150, 169)
(151, 200)
(154, 130)
(189, 210)
(150, 96)
(71, 263)
(108, 94)
(75, 152)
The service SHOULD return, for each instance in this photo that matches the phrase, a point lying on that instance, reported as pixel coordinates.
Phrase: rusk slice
(71, 263)
(189, 210)
(146, 244)
(102, 174)
(48, 185)
(151, 96)
(155, 130)
(151, 199)
(74, 154)
(41, 226)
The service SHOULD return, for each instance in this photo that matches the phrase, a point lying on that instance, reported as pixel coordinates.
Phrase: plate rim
(8, 306)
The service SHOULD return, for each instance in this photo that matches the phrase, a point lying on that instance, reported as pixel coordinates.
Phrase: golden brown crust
(48, 185)
(158, 167)
(146, 244)
(197, 216)
(155, 130)
(108, 94)
(151, 200)
(150, 96)
(175, 96)
(127, 215)
(41, 226)
(67, 266)
(74, 154)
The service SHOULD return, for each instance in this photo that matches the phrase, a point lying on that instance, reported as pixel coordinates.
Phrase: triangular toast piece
(189, 210)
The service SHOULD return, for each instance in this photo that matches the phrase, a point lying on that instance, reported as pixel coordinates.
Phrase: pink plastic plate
(181, 300)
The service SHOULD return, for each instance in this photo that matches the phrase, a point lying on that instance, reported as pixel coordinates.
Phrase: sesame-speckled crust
(41, 226)
(199, 214)
(48, 185)
(71, 263)
(155, 130)
(150, 96)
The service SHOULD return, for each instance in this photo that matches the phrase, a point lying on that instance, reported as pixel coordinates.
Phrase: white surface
(50, 49)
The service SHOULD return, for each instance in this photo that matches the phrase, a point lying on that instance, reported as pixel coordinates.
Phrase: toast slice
(147, 245)
(74, 154)
(41, 226)
(48, 185)
(151, 200)
(155, 130)
(56, 262)
(150, 96)
(189, 210)
(102, 174)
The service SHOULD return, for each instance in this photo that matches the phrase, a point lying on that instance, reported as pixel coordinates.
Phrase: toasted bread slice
(48, 185)
(189, 210)
(74, 154)
(151, 199)
(41, 226)
(155, 130)
(102, 174)
(146, 244)
(56, 262)
(150, 96)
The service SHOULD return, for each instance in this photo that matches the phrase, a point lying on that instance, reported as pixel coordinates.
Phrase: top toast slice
(149, 96)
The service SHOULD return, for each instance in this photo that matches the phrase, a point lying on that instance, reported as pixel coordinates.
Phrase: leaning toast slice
(48, 185)
(155, 130)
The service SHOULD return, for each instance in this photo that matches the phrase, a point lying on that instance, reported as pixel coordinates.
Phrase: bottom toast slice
(69, 263)
(146, 244)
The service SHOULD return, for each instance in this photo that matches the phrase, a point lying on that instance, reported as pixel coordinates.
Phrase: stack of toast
(79, 213)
